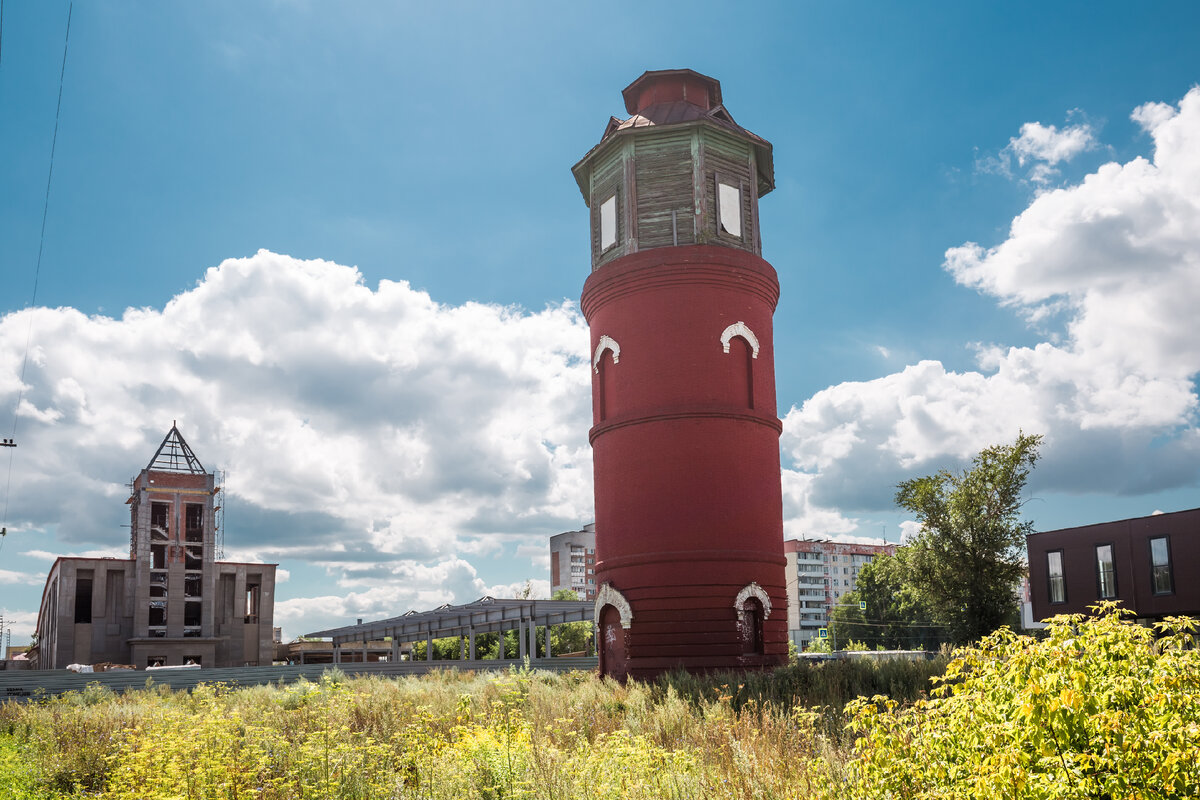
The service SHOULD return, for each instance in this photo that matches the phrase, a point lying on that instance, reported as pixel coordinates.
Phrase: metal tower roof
(174, 455)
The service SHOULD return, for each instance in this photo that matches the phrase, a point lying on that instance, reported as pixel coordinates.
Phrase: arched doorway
(613, 653)
(750, 623)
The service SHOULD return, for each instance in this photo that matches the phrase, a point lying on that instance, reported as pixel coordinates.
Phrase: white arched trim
(752, 589)
(739, 329)
(608, 596)
(609, 343)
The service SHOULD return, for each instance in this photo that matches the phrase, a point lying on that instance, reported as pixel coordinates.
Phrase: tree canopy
(969, 555)
(896, 616)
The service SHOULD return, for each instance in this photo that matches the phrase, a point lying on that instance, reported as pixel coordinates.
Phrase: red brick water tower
(685, 440)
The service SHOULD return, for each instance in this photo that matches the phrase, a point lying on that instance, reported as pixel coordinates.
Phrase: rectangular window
(158, 517)
(83, 598)
(1106, 574)
(1054, 570)
(251, 604)
(1160, 566)
(608, 223)
(729, 203)
(158, 613)
(193, 556)
(194, 523)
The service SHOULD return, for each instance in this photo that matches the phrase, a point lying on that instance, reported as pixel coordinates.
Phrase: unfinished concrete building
(171, 601)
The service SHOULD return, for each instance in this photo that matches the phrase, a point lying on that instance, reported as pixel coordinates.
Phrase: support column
(549, 646)
(395, 649)
(364, 650)
(337, 653)
(429, 646)
(532, 638)
(520, 639)
(462, 647)
(471, 638)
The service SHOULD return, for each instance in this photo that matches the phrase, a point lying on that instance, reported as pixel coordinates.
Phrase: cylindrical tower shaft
(689, 535)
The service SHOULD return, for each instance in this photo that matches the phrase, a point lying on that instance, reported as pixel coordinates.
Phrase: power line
(882, 623)
(885, 624)
(37, 272)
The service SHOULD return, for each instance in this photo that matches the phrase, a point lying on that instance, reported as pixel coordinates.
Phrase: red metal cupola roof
(671, 86)
(666, 97)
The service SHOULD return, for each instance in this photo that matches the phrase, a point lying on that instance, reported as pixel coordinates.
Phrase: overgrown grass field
(1099, 708)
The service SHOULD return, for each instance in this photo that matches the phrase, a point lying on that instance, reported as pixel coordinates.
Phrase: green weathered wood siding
(608, 178)
(732, 161)
(663, 165)
(660, 173)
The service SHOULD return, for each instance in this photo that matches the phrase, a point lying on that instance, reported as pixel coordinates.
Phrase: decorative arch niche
(751, 589)
(739, 328)
(608, 596)
(608, 343)
(752, 607)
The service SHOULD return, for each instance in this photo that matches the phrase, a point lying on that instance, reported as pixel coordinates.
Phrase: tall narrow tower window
(729, 203)
(608, 223)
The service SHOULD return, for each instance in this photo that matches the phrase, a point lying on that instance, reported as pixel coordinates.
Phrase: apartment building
(819, 572)
(573, 562)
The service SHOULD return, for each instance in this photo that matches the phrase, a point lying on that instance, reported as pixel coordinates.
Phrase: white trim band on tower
(752, 589)
(739, 329)
(608, 596)
(609, 343)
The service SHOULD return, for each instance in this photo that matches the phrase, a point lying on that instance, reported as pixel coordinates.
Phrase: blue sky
(353, 248)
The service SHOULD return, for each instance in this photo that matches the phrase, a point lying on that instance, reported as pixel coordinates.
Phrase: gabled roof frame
(174, 455)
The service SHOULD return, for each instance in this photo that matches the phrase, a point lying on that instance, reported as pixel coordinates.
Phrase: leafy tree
(968, 557)
(847, 622)
(897, 616)
(571, 637)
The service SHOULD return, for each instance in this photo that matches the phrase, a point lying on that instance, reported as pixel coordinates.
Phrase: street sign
(862, 605)
(823, 633)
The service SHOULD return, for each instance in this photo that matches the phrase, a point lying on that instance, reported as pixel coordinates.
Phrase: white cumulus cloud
(1110, 269)
(1048, 143)
(372, 432)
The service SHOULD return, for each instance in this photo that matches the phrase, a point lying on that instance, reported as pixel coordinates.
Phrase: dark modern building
(685, 436)
(171, 601)
(1150, 564)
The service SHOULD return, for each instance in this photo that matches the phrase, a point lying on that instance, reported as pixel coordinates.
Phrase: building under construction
(171, 602)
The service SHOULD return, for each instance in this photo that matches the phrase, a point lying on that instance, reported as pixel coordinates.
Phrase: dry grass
(516, 734)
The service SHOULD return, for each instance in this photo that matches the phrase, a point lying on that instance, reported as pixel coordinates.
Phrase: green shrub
(1098, 708)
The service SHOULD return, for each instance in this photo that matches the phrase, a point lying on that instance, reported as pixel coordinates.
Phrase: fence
(30, 684)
